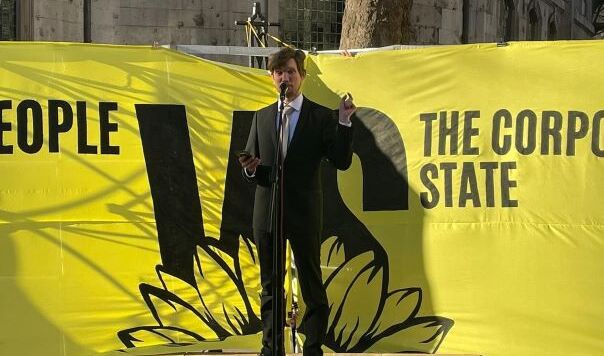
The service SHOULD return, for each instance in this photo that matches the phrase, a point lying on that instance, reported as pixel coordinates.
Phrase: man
(313, 133)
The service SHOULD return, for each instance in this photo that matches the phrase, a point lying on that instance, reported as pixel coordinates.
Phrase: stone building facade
(471, 21)
(136, 21)
(304, 23)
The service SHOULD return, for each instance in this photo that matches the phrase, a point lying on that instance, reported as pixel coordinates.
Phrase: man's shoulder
(312, 103)
(315, 107)
(267, 109)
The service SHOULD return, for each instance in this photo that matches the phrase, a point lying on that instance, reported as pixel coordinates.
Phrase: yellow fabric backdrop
(515, 280)
(517, 275)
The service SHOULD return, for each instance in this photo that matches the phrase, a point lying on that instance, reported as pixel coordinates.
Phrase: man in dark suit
(312, 132)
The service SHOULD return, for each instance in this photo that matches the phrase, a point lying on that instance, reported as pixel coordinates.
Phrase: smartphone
(243, 153)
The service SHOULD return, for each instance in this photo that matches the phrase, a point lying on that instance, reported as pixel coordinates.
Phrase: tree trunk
(375, 23)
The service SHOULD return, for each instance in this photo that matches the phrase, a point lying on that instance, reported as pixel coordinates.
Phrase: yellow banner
(92, 258)
(470, 221)
(488, 193)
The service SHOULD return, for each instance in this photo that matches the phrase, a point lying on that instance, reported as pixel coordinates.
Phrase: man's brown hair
(279, 59)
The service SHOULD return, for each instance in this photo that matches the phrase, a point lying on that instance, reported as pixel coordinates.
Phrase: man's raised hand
(347, 108)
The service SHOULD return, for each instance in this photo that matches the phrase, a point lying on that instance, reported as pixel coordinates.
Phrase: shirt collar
(296, 104)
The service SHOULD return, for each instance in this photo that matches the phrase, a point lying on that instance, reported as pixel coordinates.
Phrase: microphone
(283, 90)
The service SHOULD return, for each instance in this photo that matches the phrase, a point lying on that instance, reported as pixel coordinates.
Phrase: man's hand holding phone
(248, 162)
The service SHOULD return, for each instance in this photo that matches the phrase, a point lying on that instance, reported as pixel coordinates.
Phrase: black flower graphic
(216, 294)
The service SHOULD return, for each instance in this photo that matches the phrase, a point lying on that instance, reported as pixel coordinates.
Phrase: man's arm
(337, 140)
(252, 170)
(250, 163)
(338, 137)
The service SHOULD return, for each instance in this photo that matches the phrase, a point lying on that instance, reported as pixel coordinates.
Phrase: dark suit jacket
(317, 135)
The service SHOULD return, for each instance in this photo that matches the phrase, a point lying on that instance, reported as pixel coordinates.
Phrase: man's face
(289, 74)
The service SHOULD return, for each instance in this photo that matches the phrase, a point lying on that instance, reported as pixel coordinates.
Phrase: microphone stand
(275, 231)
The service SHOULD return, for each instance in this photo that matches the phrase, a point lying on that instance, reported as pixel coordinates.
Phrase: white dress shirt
(295, 104)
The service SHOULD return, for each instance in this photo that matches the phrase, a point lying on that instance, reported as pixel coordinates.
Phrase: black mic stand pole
(275, 231)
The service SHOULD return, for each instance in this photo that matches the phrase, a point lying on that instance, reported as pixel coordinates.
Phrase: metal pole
(18, 20)
(278, 242)
(87, 22)
(572, 20)
(265, 11)
(465, 24)
(260, 24)
(263, 62)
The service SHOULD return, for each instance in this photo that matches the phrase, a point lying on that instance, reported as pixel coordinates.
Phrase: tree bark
(375, 23)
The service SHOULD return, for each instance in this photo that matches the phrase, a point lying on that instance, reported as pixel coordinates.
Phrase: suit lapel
(272, 121)
(302, 123)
